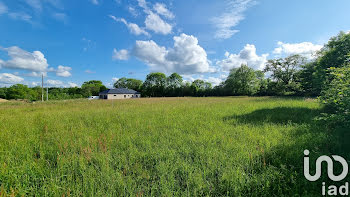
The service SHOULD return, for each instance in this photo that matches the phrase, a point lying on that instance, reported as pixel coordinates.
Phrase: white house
(119, 93)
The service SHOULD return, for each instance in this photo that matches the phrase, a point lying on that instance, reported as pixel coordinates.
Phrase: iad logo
(332, 189)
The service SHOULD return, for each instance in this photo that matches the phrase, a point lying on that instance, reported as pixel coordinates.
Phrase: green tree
(284, 71)
(174, 85)
(242, 81)
(92, 88)
(154, 84)
(129, 83)
(200, 88)
(20, 91)
(333, 54)
(3, 93)
(336, 97)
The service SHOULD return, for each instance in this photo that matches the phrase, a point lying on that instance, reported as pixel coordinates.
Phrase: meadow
(228, 146)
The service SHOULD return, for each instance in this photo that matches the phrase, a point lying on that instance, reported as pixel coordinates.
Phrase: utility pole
(42, 87)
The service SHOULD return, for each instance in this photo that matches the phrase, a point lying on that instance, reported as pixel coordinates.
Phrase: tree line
(293, 75)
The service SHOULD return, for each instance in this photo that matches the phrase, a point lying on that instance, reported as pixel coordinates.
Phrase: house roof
(120, 91)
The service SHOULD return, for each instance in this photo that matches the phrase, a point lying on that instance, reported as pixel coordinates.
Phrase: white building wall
(122, 96)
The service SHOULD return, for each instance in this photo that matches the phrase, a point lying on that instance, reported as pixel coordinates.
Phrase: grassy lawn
(231, 146)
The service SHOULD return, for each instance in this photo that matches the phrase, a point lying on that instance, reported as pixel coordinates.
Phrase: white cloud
(94, 2)
(36, 74)
(20, 16)
(21, 59)
(36, 4)
(306, 49)
(120, 55)
(161, 9)
(54, 82)
(114, 79)
(8, 78)
(230, 18)
(71, 84)
(150, 53)
(155, 23)
(63, 71)
(133, 28)
(186, 57)
(133, 11)
(3, 8)
(143, 4)
(33, 84)
(246, 56)
(223, 76)
(214, 81)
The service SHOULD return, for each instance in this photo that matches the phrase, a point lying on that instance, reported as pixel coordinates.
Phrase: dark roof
(120, 91)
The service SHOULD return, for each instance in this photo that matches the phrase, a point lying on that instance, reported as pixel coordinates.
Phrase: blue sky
(74, 41)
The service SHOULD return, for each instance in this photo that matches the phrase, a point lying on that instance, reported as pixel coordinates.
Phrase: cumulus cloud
(133, 28)
(3, 8)
(161, 9)
(63, 71)
(214, 81)
(35, 83)
(8, 78)
(120, 55)
(306, 49)
(186, 56)
(154, 23)
(71, 84)
(36, 74)
(246, 56)
(54, 82)
(143, 4)
(230, 18)
(21, 59)
(133, 11)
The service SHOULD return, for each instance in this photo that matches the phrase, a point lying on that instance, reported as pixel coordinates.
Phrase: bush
(336, 97)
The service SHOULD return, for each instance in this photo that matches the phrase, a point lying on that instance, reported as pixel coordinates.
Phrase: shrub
(336, 97)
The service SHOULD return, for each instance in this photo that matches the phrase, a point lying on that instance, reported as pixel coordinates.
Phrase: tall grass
(233, 146)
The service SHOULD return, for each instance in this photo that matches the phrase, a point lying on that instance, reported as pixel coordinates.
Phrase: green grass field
(230, 146)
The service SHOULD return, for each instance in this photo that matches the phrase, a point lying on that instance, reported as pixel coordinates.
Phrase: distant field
(231, 146)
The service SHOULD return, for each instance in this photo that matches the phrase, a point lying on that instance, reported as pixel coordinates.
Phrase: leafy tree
(186, 89)
(20, 91)
(129, 83)
(242, 81)
(154, 84)
(333, 54)
(336, 97)
(197, 87)
(174, 84)
(310, 82)
(92, 88)
(3, 93)
(284, 73)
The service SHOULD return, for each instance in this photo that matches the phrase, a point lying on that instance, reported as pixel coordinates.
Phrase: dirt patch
(2, 100)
